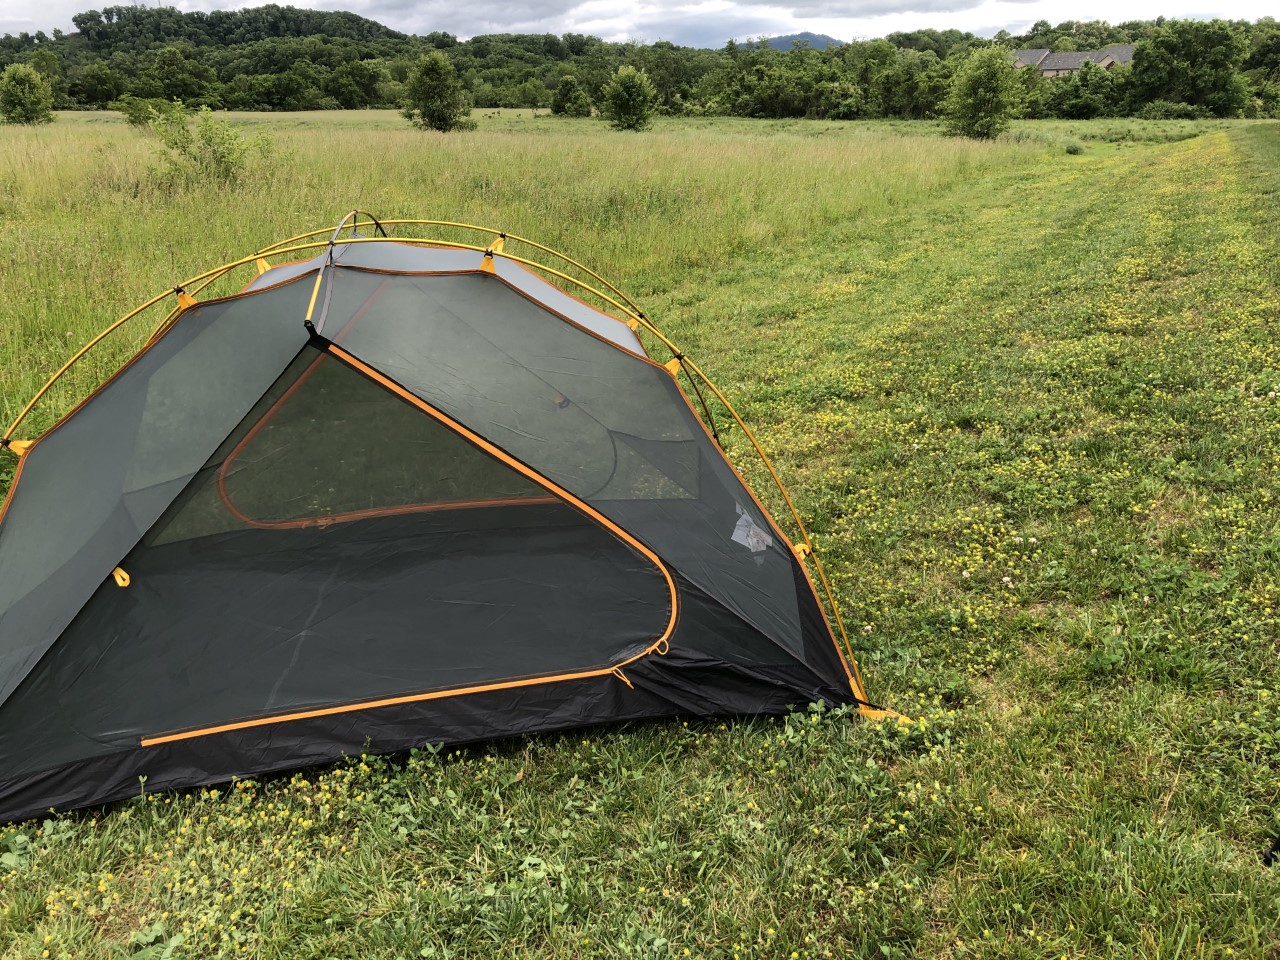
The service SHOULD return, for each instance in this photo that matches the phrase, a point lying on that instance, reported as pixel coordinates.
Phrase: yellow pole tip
(871, 713)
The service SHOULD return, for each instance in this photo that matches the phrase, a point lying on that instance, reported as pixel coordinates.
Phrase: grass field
(1029, 402)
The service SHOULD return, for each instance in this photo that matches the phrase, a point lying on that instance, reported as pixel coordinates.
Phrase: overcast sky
(707, 23)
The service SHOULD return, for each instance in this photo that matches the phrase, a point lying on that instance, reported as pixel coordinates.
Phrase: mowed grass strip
(1027, 401)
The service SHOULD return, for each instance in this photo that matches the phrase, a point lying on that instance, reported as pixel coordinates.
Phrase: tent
(397, 491)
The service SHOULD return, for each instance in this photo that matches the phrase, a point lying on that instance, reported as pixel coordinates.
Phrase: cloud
(702, 25)
(705, 23)
(862, 9)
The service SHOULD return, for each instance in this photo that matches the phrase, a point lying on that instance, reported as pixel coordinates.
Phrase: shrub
(25, 95)
(212, 152)
(434, 98)
(1167, 110)
(570, 100)
(139, 111)
(628, 99)
(984, 95)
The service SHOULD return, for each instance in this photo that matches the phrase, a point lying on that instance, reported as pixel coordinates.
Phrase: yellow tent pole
(632, 307)
(630, 310)
(200, 281)
(795, 514)
(79, 354)
(438, 223)
(76, 356)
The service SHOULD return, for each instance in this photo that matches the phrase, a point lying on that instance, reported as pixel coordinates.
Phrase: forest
(275, 58)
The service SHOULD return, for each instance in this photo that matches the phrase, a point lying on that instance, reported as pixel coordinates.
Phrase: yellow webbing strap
(673, 366)
(877, 713)
(19, 447)
(262, 265)
(185, 300)
(496, 247)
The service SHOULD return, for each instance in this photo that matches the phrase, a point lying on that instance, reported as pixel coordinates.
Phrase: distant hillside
(818, 41)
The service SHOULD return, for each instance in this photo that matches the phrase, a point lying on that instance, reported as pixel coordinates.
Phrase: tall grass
(1028, 401)
(87, 231)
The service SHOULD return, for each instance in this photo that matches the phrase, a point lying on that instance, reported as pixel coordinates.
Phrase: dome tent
(399, 491)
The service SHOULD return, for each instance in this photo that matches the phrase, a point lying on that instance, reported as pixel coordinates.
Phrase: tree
(354, 84)
(49, 65)
(570, 99)
(174, 74)
(434, 98)
(97, 85)
(984, 95)
(1034, 93)
(628, 99)
(1195, 62)
(1088, 93)
(532, 93)
(25, 96)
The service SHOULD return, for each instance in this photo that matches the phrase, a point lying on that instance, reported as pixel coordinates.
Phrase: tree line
(284, 58)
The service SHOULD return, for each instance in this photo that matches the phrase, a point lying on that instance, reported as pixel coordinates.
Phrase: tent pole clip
(121, 578)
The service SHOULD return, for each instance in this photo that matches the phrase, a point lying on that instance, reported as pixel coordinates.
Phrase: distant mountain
(819, 41)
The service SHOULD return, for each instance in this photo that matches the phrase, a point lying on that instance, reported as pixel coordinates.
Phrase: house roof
(1120, 52)
(1031, 57)
(1072, 60)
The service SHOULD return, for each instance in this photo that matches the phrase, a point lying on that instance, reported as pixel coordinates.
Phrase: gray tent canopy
(397, 491)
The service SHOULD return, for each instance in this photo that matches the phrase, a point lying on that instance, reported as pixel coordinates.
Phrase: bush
(434, 98)
(628, 99)
(25, 95)
(984, 95)
(212, 152)
(1167, 110)
(139, 111)
(570, 100)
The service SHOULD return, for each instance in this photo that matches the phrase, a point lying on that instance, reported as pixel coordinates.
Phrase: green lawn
(1029, 402)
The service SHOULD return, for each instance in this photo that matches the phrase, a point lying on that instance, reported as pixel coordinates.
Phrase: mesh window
(607, 425)
(323, 556)
(323, 447)
(91, 488)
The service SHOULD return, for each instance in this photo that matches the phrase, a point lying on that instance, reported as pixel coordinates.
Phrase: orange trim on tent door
(660, 646)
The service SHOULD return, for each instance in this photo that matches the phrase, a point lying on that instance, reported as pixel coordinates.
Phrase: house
(1064, 64)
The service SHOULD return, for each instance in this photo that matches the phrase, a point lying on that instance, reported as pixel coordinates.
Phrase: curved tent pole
(637, 319)
(8, 434)
(631, 308)
(178, 291)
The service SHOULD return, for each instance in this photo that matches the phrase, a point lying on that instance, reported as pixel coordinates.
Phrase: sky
(703, 23)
